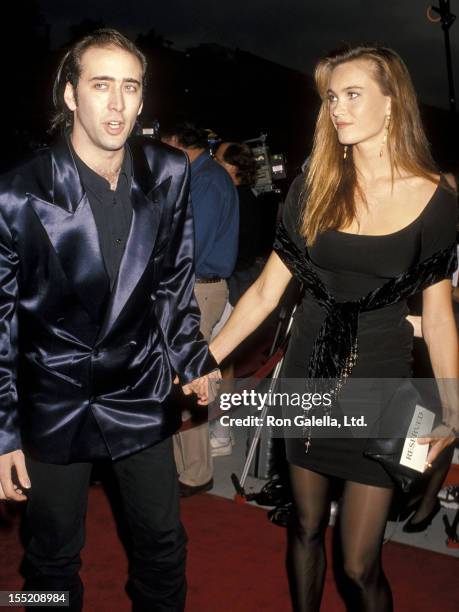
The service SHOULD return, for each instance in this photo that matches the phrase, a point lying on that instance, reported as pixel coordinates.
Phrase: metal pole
(449, 64)
(264, 412)
(447, 19)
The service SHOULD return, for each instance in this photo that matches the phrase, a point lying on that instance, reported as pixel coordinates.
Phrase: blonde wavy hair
(331, 181)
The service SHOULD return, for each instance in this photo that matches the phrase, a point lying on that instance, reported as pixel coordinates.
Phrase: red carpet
(235, 563)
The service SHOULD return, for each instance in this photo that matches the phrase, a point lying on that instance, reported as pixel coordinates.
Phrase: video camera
(151, 131)
(270, 166)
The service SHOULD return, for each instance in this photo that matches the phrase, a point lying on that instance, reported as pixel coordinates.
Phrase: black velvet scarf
(335, 350)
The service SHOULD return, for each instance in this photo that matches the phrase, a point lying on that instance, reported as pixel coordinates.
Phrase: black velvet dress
(350, 266)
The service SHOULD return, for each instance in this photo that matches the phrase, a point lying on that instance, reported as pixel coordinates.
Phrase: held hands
(13, 476)
(204, 387)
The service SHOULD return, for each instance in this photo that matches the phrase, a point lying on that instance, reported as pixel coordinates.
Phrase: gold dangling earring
(386, 132)
(345, 152)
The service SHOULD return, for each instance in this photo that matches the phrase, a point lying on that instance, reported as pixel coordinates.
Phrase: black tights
(363, 515)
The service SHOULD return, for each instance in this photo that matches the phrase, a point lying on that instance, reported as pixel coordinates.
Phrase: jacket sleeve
(175, 305)
(9, 428)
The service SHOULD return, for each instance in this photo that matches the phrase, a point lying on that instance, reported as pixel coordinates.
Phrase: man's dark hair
(69, 70)
(241, 156)
(189, 135)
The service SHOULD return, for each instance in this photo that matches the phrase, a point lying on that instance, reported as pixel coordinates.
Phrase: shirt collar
(98, 184)
(200, 160)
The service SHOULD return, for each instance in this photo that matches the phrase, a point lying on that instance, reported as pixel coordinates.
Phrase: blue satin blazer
(76, 360)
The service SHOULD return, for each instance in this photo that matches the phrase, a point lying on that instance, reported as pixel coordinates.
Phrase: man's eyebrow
(104, 77)
(101, 77)
(131, 80)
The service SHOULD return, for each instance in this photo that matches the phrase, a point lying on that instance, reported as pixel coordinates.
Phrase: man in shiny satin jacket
(97, 317)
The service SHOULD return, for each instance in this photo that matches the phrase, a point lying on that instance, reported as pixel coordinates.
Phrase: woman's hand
(440, 438)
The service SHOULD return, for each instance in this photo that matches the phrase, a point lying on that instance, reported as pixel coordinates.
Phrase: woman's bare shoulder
(417, 191)
(421, 183)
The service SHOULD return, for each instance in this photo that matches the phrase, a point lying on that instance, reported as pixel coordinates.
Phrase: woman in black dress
(370, 223)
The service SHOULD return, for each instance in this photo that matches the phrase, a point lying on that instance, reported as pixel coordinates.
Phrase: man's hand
(204, 387)
(9, 489)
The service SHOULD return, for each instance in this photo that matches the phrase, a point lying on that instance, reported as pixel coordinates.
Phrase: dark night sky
(291, 32)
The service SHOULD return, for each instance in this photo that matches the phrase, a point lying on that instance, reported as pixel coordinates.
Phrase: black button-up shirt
(112, 211)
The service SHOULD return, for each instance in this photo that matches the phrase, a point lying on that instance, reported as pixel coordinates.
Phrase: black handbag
(396, 417)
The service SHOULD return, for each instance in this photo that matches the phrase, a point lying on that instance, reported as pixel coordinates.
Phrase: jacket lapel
(146, 198)
(71, 229)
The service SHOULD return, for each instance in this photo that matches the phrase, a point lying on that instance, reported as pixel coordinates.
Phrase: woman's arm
(440, 334)
(260, 299)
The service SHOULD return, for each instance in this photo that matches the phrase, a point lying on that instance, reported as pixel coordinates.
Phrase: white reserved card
(414, 455)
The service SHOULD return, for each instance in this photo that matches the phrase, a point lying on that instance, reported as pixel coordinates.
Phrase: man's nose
(116, 101)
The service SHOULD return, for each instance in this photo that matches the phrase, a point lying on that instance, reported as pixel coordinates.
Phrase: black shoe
(281, 515)
(410, 527)
(406, 511)
(189, 491)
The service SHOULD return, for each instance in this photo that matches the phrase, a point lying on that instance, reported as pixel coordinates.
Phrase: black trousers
(54, 528)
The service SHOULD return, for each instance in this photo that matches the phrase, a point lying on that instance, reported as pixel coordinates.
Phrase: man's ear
(69, 96)
(140, 109)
